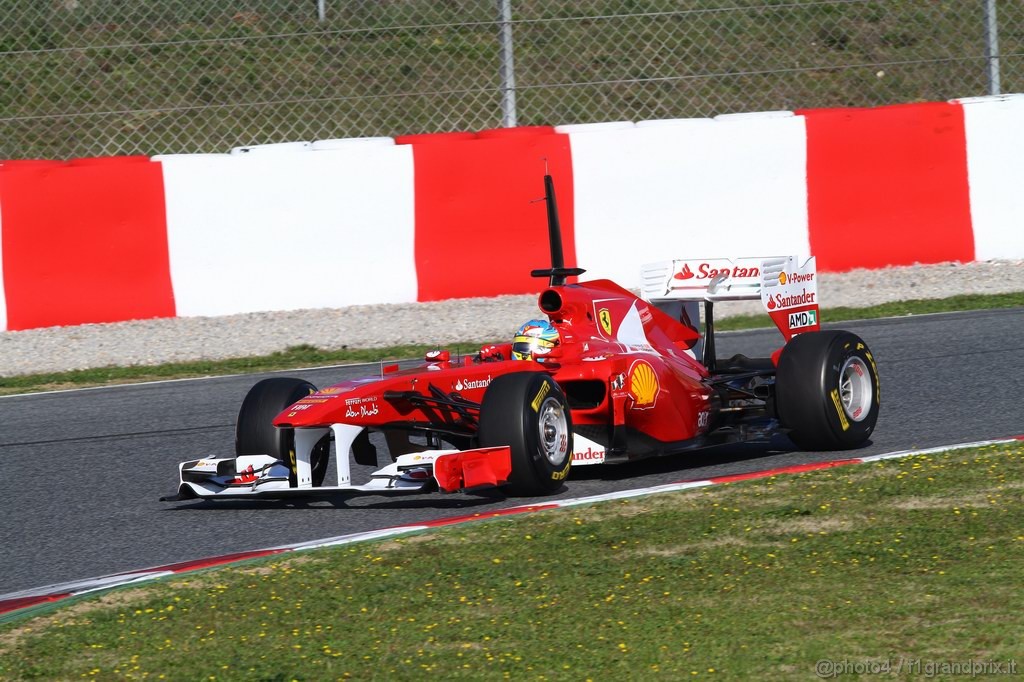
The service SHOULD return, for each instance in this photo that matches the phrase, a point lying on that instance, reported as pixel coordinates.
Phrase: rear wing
(788, 290)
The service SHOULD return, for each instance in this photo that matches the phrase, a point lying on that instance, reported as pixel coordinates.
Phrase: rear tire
(528, 412)
(826, 390)
(255, 433)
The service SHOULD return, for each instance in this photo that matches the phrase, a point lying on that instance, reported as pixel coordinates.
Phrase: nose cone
(347, 402)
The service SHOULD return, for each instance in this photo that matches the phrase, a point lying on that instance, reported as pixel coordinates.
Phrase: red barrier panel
(84, 242)
(479, 229)
(888, 186)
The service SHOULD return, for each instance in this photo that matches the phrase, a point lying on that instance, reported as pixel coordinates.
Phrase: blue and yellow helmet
(536, 337)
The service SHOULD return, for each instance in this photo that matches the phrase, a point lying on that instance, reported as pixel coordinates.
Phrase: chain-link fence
(98, 77)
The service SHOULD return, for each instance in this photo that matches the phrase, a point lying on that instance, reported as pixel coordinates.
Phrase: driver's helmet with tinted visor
(536, 337)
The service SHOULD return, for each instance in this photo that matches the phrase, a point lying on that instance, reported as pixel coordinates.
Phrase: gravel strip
(152, 342)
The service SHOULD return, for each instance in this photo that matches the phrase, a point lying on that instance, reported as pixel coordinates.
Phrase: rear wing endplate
(787, 288)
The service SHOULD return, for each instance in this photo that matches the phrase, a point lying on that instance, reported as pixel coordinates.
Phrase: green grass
(920, 558)
(309, 356)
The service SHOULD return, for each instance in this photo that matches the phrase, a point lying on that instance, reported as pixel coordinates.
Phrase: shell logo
(643, 385)
(782, 278)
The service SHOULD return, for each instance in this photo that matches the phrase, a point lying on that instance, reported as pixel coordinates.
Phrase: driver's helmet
(536, 337)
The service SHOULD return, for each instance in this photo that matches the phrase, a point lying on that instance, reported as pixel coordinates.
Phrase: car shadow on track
(458, 501)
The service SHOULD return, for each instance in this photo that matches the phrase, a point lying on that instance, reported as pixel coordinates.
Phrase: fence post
(321, 10)
(992, 46)
(508, 71)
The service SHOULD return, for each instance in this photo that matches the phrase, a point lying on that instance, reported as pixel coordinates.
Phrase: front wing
(247, 476)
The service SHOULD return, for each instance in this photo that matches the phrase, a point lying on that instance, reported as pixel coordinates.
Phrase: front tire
(255, 433)
(528, 412)
(826, 390)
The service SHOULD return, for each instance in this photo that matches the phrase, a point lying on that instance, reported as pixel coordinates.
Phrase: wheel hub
(554, 431)
(855, 390)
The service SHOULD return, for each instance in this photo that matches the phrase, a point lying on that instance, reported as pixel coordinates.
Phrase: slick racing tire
(255, 433)
(826, 390)
(528, 412)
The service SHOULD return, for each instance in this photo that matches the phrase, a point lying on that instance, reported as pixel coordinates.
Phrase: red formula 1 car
(629, 377)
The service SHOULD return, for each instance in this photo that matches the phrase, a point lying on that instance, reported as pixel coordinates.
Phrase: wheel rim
(855, 389)
(554, 431)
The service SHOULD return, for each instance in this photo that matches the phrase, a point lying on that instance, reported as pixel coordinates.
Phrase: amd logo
(806, 318)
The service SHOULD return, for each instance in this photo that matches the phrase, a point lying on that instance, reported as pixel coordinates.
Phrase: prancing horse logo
(605, 318)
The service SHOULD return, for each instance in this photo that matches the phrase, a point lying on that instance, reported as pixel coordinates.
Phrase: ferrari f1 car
(630, 377)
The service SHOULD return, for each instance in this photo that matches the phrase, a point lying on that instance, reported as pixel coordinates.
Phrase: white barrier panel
(739, 116)
(165, 157)
(594, 127)
(350, 143)
(675, 122)
(688, 190)
(994, 127)
(273, 148)
(291, 231)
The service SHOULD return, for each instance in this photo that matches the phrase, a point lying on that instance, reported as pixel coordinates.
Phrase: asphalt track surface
(82, 471)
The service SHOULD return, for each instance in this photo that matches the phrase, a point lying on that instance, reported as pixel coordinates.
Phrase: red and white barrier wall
(427, 217)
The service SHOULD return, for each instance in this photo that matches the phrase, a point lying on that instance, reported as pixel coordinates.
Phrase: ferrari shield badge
(605, 318)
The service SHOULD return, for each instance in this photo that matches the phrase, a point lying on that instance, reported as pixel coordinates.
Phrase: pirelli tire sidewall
(514, 412)
(255, 433)
(827, 390)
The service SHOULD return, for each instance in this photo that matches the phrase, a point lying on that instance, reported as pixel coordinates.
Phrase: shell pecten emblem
(643, 385)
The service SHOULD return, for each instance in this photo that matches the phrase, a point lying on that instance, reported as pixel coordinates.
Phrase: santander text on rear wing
(787, 289)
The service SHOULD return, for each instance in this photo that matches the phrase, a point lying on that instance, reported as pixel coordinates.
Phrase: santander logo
(468, 384)
(685, 273)
(709, 271)
(588, 455)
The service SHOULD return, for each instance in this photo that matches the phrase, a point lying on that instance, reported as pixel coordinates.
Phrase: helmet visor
(527, 347)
